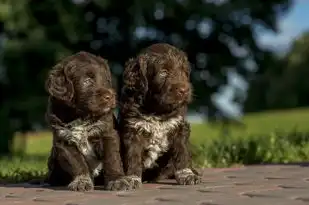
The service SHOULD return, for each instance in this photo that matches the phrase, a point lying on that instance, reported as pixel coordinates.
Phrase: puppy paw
(134, 181)
(187, 177)
(81, 183)
(124, 183)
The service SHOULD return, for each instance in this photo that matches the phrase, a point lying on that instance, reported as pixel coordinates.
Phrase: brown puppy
(153, 129)
(80, 114)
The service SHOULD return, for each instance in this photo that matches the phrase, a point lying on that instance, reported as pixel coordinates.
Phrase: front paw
(124, 183)
(81, 183)
(187, 177)
(134, 181)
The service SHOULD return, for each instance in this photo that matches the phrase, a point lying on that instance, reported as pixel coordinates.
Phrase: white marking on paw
(135, 178)
(82, 178)
(183, 173)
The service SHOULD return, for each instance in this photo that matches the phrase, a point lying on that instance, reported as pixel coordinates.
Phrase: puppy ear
(135, 75)
(59, 86)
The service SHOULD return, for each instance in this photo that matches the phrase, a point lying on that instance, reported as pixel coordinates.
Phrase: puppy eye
(162, 74)
(90, 75)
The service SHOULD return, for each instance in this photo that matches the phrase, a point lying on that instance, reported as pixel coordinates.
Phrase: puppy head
(82, 81)
(161, 72)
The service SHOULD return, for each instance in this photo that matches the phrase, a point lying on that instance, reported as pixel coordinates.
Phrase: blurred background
(249, 61)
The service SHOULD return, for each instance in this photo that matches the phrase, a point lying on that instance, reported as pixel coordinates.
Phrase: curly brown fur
(153, 130)
(80, 114)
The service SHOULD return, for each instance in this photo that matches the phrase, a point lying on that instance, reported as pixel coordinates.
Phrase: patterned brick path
(253, 185)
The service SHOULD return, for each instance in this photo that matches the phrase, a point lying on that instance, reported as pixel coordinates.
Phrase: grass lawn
(258, 123)
(32, 162)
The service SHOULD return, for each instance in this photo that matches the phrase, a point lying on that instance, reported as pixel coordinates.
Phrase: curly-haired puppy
(153, 129)
(80, 114)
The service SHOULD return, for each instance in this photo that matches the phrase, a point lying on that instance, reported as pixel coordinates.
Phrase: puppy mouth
(109, 106)
(101, 107)
(112, 104)
(107, 109)
(180, 102)
(176, 100)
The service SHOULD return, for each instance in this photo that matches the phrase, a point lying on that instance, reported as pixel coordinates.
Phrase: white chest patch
(80, 138)
(158, 142)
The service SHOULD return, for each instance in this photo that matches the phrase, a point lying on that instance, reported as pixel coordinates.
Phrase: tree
(216, 35)
(296, 72)
(284, 84)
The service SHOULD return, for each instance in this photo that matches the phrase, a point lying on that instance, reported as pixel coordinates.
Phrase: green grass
(256, 124)
(21, 169)
(29, 160)
(275, 147)
(268, 137)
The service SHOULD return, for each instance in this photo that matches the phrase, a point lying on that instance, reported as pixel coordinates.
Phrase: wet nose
(107, 97)
(182, 90)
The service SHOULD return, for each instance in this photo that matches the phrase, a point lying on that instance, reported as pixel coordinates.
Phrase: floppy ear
(135, 76)
(59, 86)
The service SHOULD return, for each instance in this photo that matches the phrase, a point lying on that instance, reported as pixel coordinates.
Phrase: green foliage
(22, 169)
(284, 83)
(270, 148)
(255, 124)
(268, 137)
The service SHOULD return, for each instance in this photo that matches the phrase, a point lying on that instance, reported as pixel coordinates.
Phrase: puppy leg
(182, 160)
(56, 176)
(113, 167)
(132, 157)
(74, 164)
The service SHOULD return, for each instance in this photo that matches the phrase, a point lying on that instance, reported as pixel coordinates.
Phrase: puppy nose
(182, 90)
(107, 97)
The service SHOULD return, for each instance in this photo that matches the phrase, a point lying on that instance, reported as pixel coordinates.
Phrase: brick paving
(252, 185)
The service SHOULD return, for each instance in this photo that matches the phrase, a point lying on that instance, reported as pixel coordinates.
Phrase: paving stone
(253, 185)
